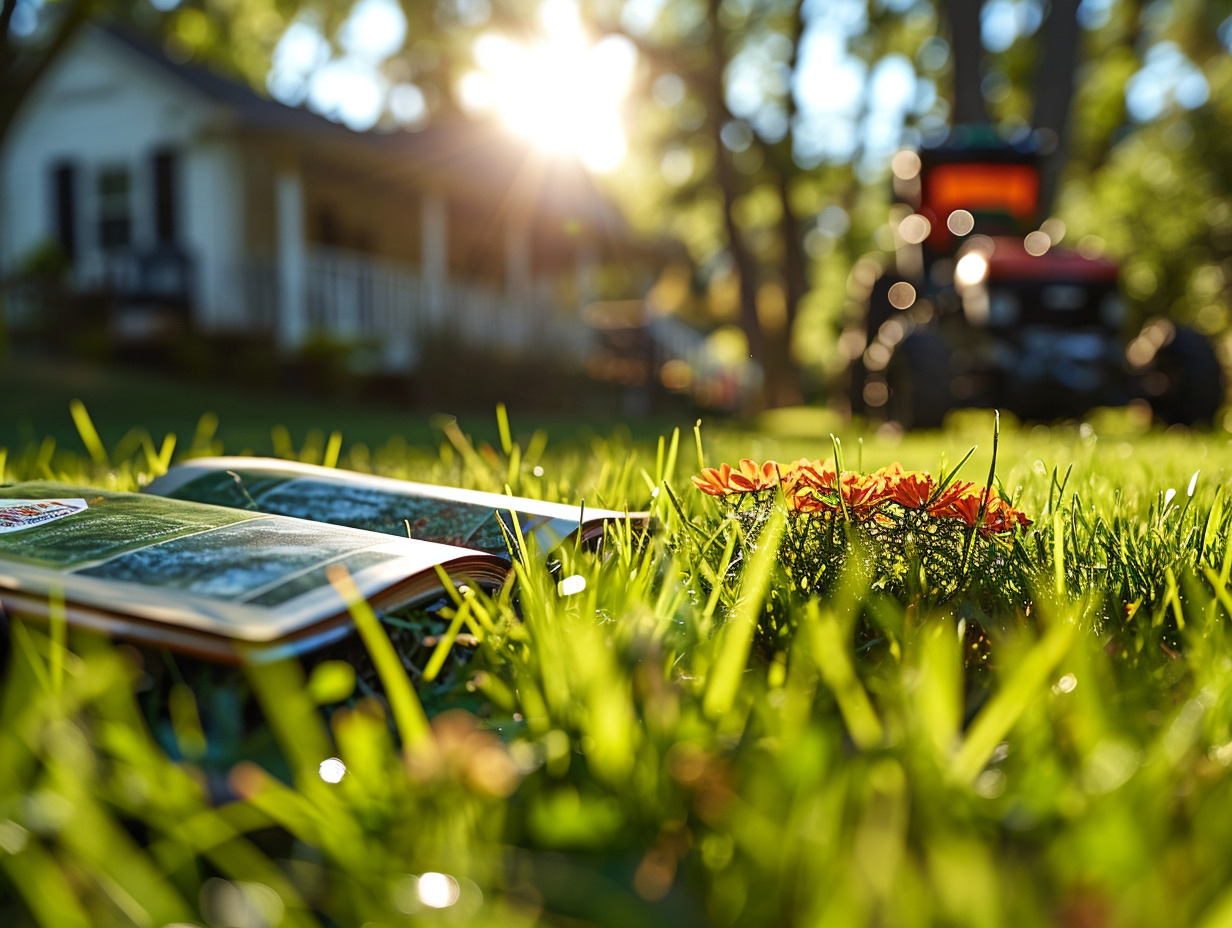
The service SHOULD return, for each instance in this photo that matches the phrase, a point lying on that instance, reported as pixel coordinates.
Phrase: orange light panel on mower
(1001, 188)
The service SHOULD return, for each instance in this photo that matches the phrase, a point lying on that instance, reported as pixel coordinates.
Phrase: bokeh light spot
(914, 229)
(1037, 243)
(960, 222)
(438, 890)
(902, 295)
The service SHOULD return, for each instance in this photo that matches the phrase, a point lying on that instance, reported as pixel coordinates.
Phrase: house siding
(98, 110)
(293, 229)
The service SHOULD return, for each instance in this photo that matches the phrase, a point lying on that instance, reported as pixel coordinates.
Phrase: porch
(393, 313)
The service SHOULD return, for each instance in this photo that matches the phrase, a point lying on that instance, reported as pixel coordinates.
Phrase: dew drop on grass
(1109, 765)
(332, 770)
(1221, 754)
(537, 471)
(12, 837)
(1065, 685)
(990, 784)
(570, 585)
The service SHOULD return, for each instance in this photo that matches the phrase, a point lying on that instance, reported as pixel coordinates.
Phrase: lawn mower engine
(983, 308)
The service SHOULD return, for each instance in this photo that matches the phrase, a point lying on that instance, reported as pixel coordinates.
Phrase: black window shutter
(166, 215)
(64, 207)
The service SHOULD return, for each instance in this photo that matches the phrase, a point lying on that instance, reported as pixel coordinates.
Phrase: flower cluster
(818, 487)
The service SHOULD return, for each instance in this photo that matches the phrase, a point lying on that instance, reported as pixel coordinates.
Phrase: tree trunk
(1132, 38)
(742, 259)
(966, 50)
(729, 184)
(1054, 92)
(785, 387)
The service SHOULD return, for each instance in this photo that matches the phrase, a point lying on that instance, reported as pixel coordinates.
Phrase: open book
(468, 518)
(241, 581)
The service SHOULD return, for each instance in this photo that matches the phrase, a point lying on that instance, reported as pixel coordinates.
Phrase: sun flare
(563, 92)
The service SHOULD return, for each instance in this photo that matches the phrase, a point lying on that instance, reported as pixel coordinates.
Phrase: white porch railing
(356, 298)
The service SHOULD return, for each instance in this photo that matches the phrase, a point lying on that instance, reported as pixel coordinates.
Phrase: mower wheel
(919, 381)
(1195, 389)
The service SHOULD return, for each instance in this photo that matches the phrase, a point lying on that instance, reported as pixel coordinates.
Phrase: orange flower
(965, 508)
(752, 476)
(1002, 517)
(863, 493)
(810, 502)
(714, 481)
(911, 489)
(890, 472)
(805, 473)
(958, 501)
(805, 484)
(747, 477)
(963, 502)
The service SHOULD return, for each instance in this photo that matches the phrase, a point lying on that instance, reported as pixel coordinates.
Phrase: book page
(110, 524)
(246, 575)
(466, 518)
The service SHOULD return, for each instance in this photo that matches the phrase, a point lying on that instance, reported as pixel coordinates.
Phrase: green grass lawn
(746, 720)
(35, 393)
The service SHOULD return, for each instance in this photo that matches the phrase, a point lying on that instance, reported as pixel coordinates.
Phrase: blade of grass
(409, 715)
(1004, 709)
(46, 889)
(203, 436)
(830, 650)
(502, 425)
(736, 637)
(165, 452)
(992, 475)
(89, 435)
(947, 476)
(437, 660)
(280, 437)
(1172, 594)
(57, 620)
(1058, 553)
(716, 589)
(332, 450)
(673, 451)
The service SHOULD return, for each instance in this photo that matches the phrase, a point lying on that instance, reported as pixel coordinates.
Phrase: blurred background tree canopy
(759, 132)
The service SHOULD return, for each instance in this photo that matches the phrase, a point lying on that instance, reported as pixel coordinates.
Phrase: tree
(23, 63)
(241, 38)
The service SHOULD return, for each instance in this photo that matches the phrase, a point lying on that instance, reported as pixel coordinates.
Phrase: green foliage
(631, 756)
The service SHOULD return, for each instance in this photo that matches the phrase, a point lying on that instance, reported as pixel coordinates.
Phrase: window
(114, 208)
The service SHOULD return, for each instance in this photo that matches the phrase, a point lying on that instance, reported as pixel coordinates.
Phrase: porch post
(517, 257)
(434, 251)
(292, 258)
(586, 274)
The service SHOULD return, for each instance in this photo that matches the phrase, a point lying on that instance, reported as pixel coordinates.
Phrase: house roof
(251, 107)
(467, 156)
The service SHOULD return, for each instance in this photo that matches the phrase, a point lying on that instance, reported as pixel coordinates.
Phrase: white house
(166, 184)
